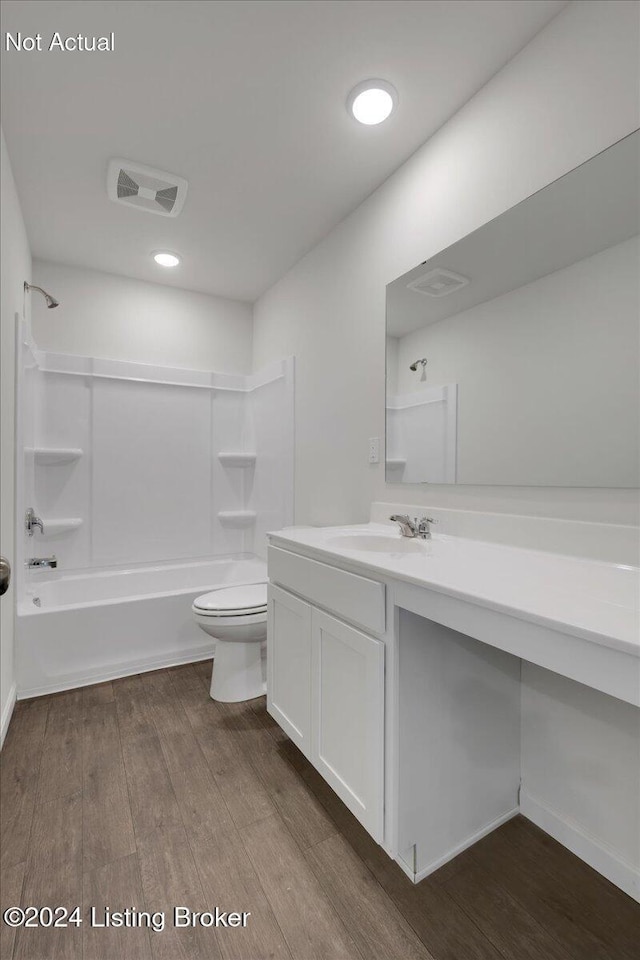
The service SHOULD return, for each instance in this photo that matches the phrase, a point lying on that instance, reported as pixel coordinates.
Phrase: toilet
(237, 617)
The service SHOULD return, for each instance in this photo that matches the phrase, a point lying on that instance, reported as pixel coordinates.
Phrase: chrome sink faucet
(419, 529)
(35, 563)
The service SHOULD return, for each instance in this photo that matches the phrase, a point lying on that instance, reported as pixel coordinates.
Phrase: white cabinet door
(347, 709)
(289, 666)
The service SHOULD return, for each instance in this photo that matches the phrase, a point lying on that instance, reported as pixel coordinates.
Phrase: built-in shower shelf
(394, 463)
(237, 518)
(53, 528)
(231, 459)
(47, 455)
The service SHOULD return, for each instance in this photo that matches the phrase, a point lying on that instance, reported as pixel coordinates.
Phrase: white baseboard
(598, 855)
(440, 862)
(115, 672)
(7, 713)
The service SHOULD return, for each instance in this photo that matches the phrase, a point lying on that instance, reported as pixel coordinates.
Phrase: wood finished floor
(145, 793)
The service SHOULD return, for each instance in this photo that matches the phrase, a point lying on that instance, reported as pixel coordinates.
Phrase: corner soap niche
(54, 528)
(237, 518)
(236, 459)
(48, 455)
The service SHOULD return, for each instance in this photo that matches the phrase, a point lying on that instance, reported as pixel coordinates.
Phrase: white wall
(16, 268)
(572, 92)
(103, 315)
(564, 351)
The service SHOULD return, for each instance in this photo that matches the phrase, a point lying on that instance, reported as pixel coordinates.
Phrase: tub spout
(36, 563)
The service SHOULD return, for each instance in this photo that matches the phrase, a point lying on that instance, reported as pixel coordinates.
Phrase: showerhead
(50, 301)
(414, 366)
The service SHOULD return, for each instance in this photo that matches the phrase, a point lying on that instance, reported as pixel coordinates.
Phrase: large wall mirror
(512, 356)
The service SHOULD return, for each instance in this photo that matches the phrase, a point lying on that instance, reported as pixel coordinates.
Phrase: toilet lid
(234, 601)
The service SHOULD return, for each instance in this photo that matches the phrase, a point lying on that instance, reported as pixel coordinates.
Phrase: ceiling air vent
(153, 191)
(438, 283)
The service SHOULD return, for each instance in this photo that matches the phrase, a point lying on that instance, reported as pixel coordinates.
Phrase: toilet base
(237, 672)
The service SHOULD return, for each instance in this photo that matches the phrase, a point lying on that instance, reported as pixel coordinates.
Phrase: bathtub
(83, 628)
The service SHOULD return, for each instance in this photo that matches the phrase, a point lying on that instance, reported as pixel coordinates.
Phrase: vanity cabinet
(326, 690)
(347, 716)
(289, 666)
(442, 688)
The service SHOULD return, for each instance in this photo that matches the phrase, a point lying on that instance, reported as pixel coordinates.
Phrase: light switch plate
(374, 449)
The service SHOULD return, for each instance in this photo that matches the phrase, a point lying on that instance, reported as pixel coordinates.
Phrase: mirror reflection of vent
(438, 283)
(145, 188)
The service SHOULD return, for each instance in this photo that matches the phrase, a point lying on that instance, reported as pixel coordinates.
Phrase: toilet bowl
(237, 618)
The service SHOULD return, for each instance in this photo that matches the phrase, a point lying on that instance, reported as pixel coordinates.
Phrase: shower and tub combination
(81, 628)
(142, 488)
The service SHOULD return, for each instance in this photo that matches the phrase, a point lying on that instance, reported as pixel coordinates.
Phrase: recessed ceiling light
(166, 259)
(372, 101)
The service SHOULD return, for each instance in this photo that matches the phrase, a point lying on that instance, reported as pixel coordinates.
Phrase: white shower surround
(146, 514)
(148, 484)
(421, 433)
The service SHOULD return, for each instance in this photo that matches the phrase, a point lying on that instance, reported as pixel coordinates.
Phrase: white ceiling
(245, 100)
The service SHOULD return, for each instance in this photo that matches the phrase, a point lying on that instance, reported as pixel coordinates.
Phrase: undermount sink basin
(376, 543)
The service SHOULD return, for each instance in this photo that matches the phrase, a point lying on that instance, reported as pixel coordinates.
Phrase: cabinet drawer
(350, 596)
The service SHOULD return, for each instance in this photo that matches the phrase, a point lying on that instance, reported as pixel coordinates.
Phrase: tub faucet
(420, 529)
(31, 521)
(34, 563)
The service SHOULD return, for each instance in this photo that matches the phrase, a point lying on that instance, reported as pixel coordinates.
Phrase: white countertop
(591, 599)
